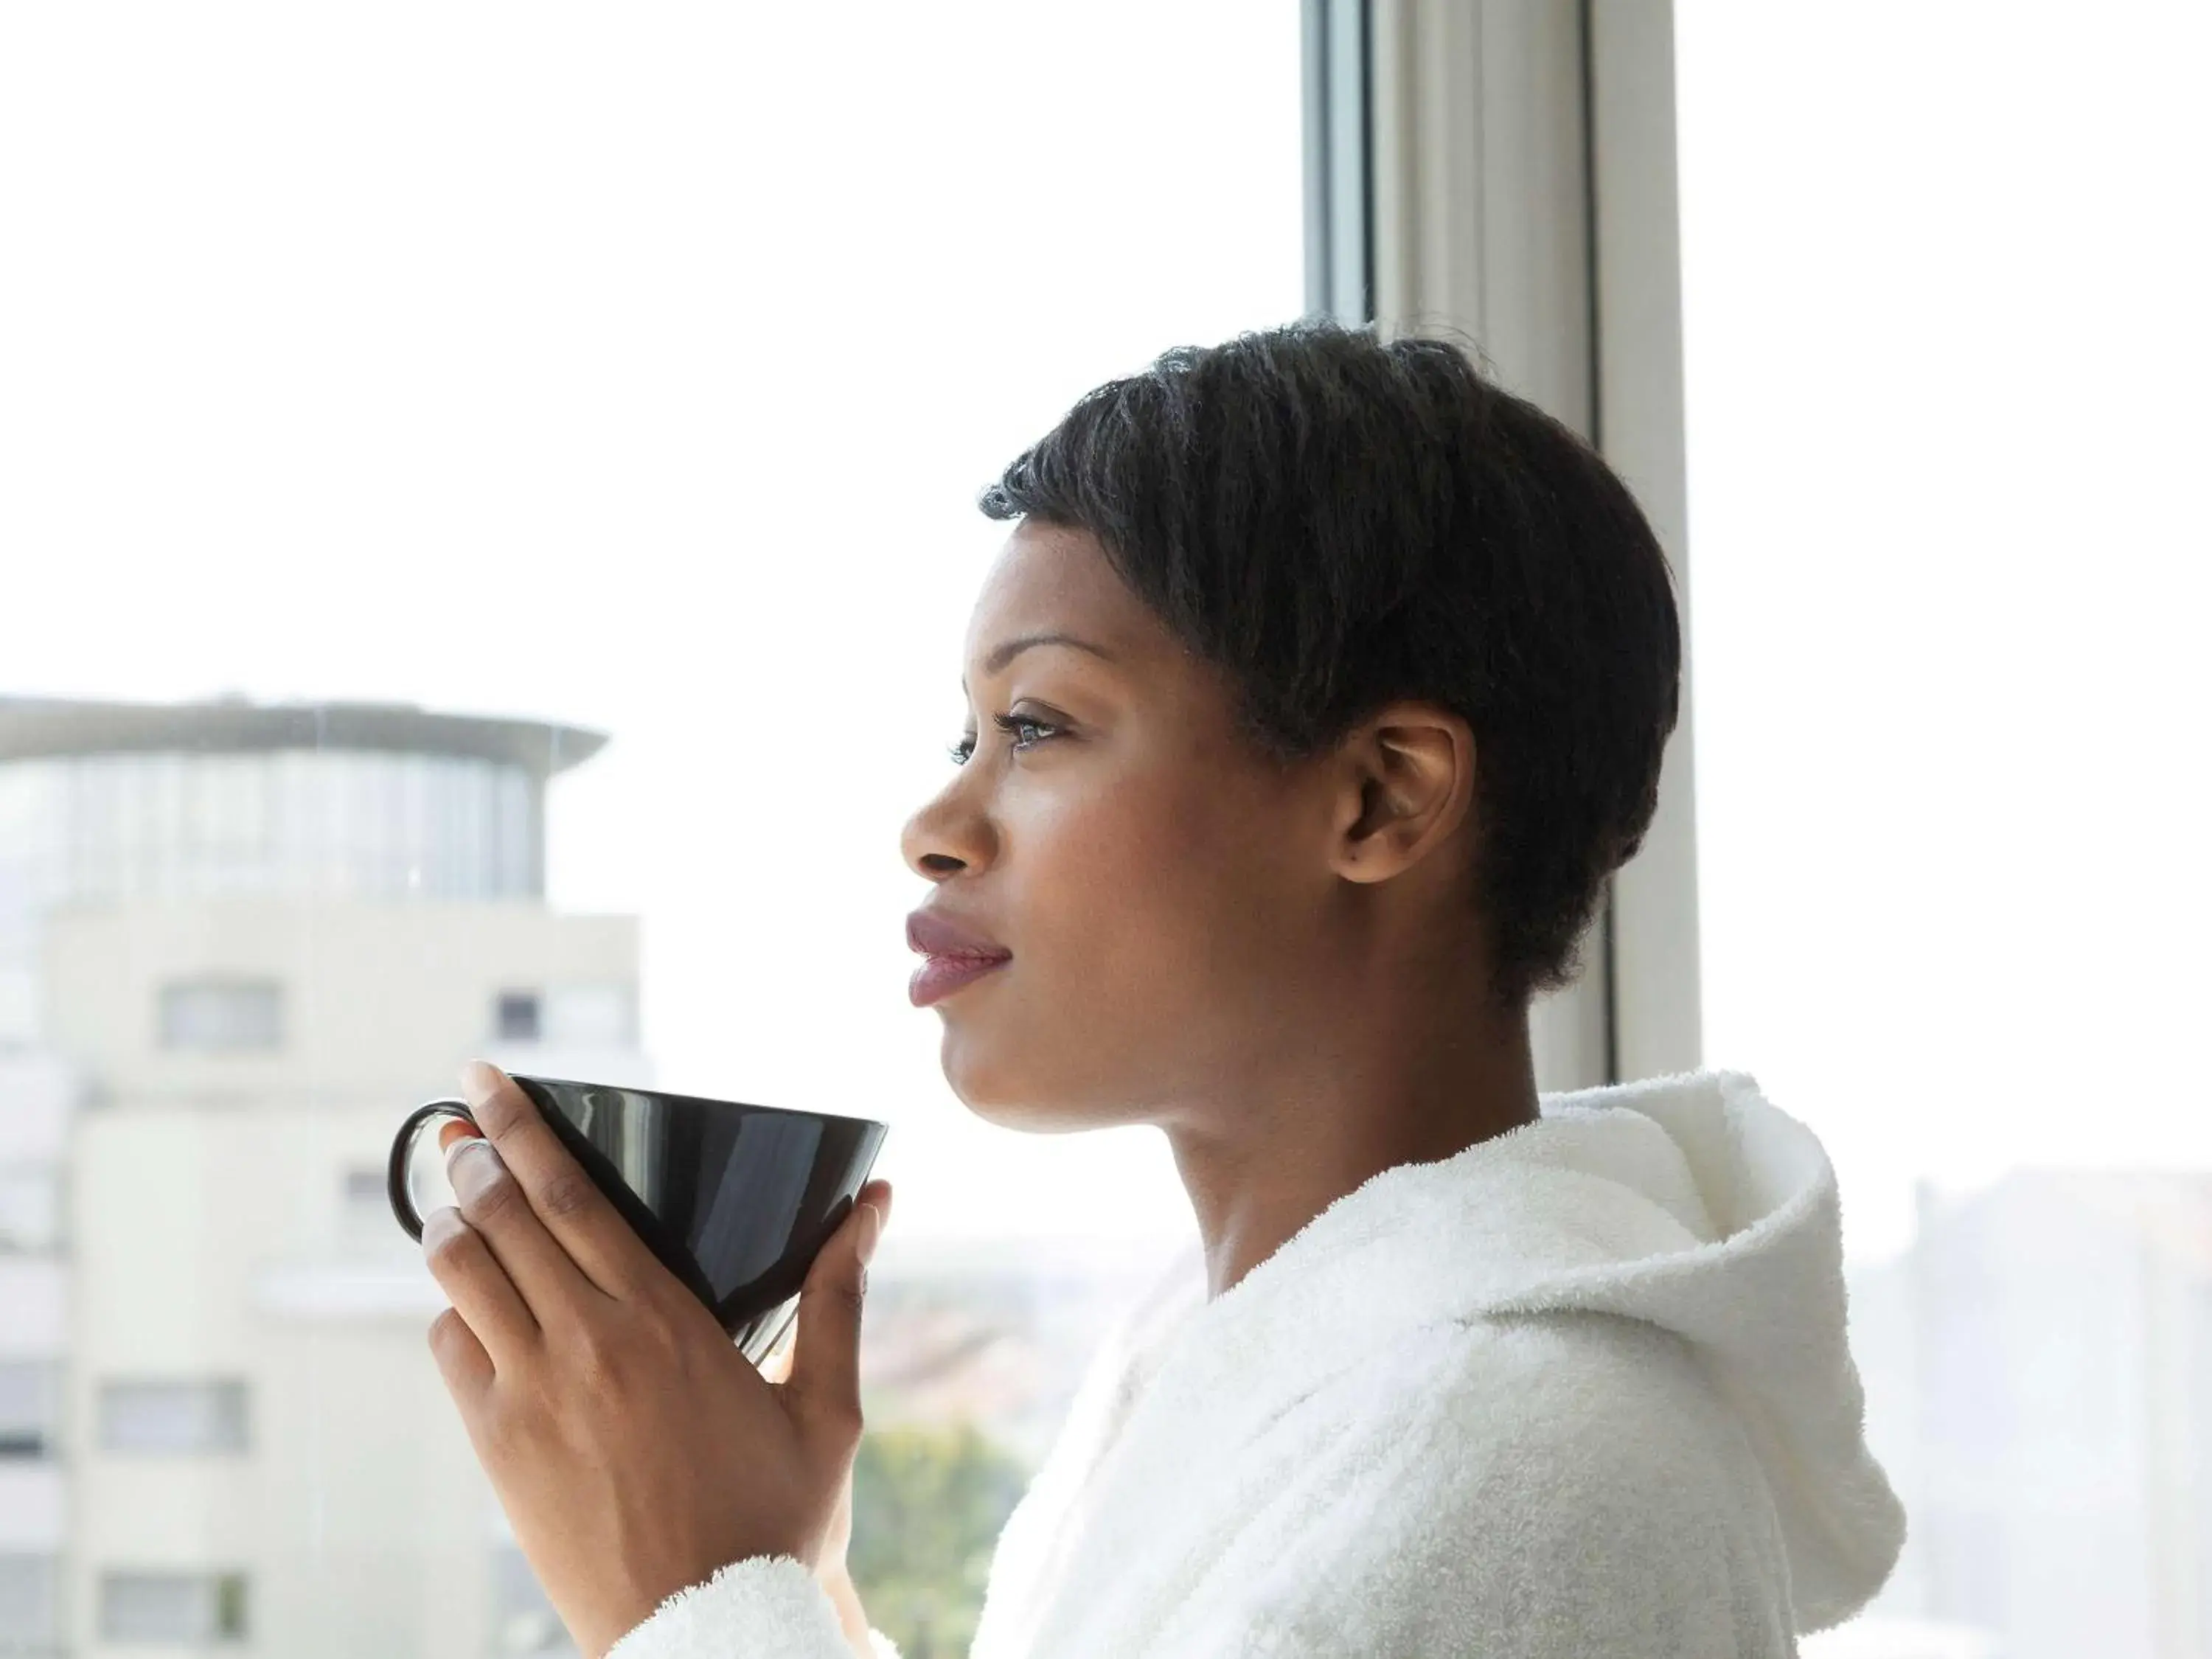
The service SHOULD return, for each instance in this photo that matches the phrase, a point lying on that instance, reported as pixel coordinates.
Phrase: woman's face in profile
(1158, 884)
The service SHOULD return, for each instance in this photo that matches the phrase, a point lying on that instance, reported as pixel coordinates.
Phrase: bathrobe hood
(1689, 1204)
(1758, 1292)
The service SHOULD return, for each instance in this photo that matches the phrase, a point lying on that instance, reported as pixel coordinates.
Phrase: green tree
(927, 1507)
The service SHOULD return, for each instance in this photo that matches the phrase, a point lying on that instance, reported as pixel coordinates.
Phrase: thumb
(825, 1358)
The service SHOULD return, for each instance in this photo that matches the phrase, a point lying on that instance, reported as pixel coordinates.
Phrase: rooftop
(41, 727)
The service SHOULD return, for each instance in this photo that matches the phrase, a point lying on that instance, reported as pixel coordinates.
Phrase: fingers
(478, 1287)
(569, 1205)
(508, 1230)
(825, 1363)
(461, 1358)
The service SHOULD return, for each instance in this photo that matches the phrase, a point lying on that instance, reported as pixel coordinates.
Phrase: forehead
(1048, 578)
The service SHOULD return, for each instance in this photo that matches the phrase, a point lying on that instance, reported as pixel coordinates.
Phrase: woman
(1321, 687)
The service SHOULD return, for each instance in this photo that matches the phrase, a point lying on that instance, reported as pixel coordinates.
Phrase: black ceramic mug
(736, 1201)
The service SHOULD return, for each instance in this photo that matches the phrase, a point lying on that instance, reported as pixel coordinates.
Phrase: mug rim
(701, 1100)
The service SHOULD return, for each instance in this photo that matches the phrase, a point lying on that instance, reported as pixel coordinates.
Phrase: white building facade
(236, 943)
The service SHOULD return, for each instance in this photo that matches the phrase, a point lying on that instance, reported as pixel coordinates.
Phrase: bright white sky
(1947, 344)
(638, 368)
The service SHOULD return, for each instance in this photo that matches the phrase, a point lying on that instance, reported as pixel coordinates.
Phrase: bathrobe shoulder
(1526, 1488)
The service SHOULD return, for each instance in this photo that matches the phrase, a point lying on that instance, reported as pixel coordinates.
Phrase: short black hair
(1338, 521)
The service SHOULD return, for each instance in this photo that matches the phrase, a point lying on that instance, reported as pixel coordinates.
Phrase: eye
(1014, 724)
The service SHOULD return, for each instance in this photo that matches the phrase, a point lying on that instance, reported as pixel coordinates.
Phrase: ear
(1407, 778)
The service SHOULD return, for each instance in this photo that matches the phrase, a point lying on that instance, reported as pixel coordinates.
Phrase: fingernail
(440, 1224)
(467, 1137)
(871, 1229)
(471, 1171)
(480, 1080)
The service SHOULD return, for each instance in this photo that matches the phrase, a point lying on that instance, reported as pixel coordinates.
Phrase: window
(173, 1608)
(548, 437)
(364, 1210)
(30, 1209)
(30, 1408)
(364, 1188)
(1945, 349)
(19, 1006)
(588, 1016)
(516, 1016)
(219, 1016)
(184, 1417)
(580, 1014)
(30, 1603)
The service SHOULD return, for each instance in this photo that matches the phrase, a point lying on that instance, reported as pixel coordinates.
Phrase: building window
(365, 1210)
(19, 1007)
(173, 1607)
(593, 1014)
(517, 1017)
(585, 1014)
(364, 1190)
(222, 1016)
(30, 1410)
(30, 1603)
(30, 1209)
(206, 1415)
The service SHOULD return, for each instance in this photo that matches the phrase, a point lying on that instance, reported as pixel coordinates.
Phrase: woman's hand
(830, 1568)
(634, 1449)
(831, 1572)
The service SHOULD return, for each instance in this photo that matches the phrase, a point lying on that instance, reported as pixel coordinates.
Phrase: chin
(1018, 1097)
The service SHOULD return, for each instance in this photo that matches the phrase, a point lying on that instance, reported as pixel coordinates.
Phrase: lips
(957, 956)
(937, 935)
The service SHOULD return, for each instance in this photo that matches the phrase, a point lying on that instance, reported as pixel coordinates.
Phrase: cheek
(1143, 916)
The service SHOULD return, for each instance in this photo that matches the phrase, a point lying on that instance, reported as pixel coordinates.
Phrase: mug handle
(403, 1154)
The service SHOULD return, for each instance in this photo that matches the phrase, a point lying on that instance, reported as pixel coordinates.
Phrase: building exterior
(236, 942)
(36, 1095)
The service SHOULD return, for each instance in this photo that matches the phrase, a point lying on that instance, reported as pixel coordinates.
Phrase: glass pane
(30, 1603)
(222, 1014)
(588, 1015)
(172, 1608)
(519, 1017)
(1944, 309)
(30, 1209)
(497, 490)
(30, 1408)
(173, 1417)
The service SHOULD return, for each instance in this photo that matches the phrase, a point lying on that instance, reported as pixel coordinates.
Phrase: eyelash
(961, 751)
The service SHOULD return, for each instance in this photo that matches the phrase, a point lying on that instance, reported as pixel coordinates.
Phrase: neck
(1292, 1139)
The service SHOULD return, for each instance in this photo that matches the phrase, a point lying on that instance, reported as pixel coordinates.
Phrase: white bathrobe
(1580, 1390)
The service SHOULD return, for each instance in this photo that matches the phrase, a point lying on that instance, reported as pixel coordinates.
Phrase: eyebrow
(1007, 651)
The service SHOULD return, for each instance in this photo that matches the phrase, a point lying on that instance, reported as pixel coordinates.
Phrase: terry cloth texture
(1582, 1389)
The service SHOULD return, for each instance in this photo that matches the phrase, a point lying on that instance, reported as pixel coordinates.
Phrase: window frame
(1508, 172)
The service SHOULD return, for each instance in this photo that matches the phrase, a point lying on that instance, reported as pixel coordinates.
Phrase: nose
(946, 837)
